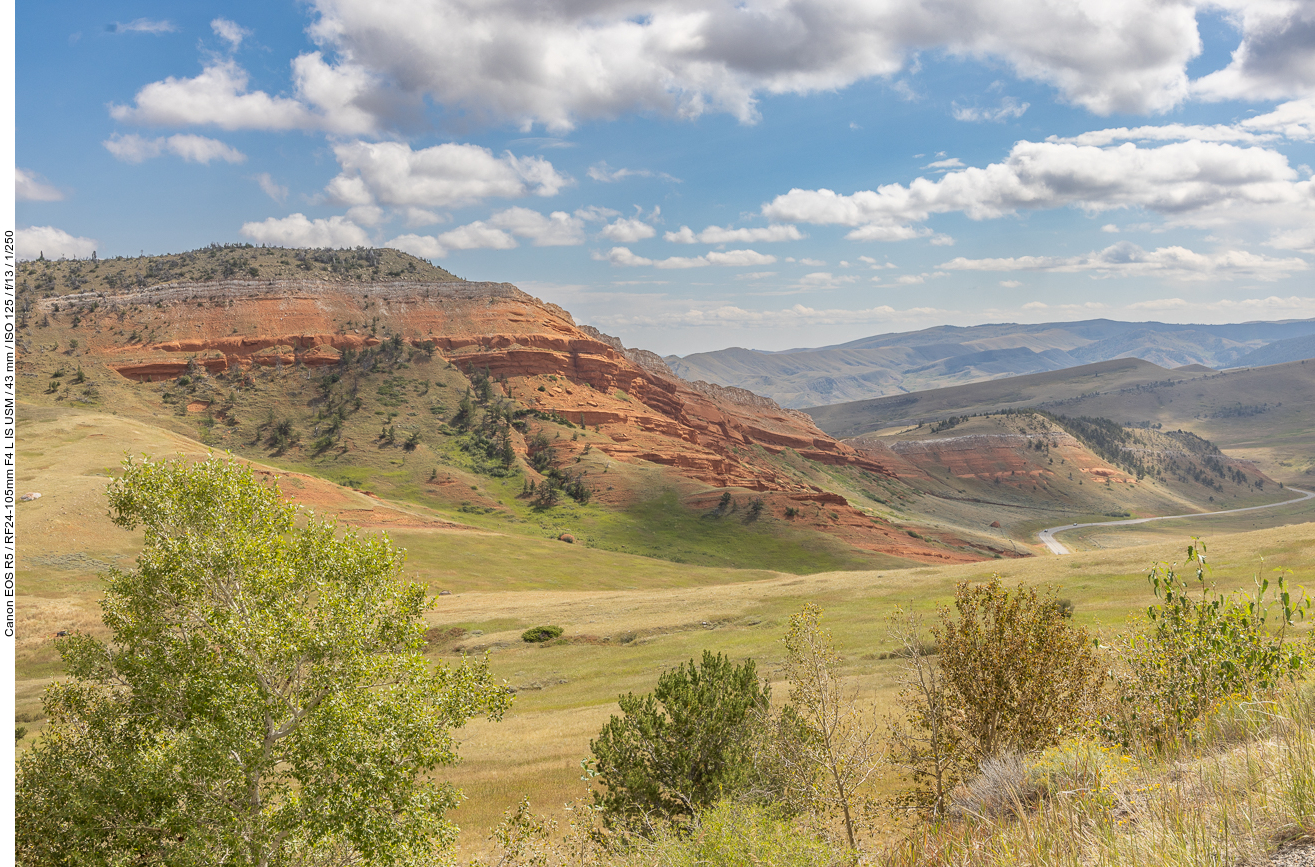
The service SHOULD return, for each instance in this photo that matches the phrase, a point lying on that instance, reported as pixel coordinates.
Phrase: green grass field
(626, 617)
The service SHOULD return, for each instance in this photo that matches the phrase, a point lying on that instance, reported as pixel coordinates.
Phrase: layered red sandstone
(721, 436)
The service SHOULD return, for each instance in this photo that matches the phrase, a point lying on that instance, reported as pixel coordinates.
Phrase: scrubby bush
(1018, 674)
(731, 834)
(828, 745)
(1203, 646)
(680, 748)
(537, 634)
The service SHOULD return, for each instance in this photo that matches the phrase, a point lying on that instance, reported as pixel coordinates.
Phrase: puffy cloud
(217, 96)
(1008, 109)
(825, 280)
(298, 230)
(731, 258)
(421, 217)
(229, 31)
(35, 241)
(627, 231)
(133, 148)
(366, 215)
(558, 62)
(739, 258)
(423, 246)
(445, 175)
(1294, 120)
(718, 235)
(1302, 239)
(31, 187)
(1275, 59)
(558, 229)
(344, 99)
(271, 188)
(1126, 259)
(477, 236)
(1191, 182)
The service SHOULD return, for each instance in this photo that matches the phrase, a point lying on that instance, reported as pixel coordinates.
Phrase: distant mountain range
(949, 355)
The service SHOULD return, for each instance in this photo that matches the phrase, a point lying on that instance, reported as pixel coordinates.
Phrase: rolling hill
(1259, 414)
(474, 402)
(948, 355)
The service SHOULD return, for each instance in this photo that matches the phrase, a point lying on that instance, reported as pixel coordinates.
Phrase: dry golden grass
(655, 615)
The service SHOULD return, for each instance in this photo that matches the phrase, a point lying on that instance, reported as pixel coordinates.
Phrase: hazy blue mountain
(1292, 349)
(947, 355)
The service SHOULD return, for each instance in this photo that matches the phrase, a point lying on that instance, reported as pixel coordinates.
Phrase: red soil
(719, 436)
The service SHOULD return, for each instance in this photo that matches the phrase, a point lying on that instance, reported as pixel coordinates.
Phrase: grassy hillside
(1257, 414)
(866, 416)
(625, 617)
(892, 364)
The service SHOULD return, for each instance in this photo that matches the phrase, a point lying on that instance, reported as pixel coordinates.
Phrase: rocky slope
(707, 432)
(635, 408)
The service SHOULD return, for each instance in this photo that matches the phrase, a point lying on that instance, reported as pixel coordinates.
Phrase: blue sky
(695, 175)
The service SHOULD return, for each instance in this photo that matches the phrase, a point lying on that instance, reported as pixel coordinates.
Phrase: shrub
(732, 834)
(537, 634)
(1018, 674)
(1203, 646)
(680, 748)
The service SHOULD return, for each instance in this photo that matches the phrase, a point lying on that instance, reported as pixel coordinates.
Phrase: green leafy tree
(680, 748)
(263, 699)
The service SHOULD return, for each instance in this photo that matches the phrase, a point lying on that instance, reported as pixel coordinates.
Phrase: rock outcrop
(708, 432)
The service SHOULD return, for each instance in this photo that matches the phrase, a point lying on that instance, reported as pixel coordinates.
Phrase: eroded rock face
(724, 437)
(705, 431)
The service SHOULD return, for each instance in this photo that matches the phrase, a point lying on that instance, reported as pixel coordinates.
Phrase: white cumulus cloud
(31, 187)
(727, 235)
(35, 241)
(556, 63)
(730, 258)
(558, 229)
(499, 232)
(1190, 182)
(133, 148)
(297, 230)
(1275, 59)
(342, 99)
(627, 231)
(229, 31)
(446, 175)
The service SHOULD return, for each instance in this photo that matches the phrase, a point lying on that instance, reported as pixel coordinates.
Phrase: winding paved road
(1048, 535)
